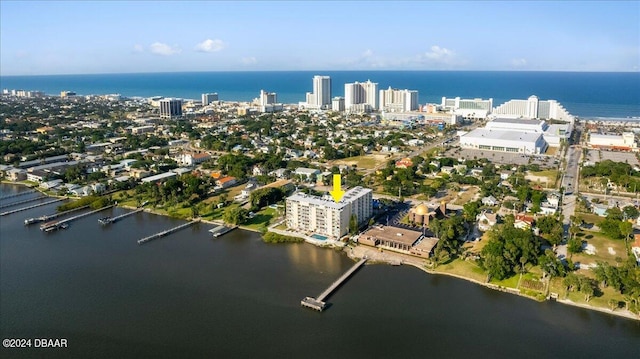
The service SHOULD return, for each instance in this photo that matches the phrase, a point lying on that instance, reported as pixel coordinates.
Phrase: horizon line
(372, 70)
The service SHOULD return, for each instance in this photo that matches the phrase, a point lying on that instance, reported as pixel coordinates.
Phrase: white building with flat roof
(504, 141)
(313, 214)
(208, 98)
(625, 142)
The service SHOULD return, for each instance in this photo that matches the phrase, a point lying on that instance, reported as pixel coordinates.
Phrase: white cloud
(439, 54)
(367, 53)
(138, 48)
(163, 49)
(518, 63)
(209, 45)
(249, 60)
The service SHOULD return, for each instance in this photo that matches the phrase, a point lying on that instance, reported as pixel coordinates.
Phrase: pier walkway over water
(17, 194)
(318, 303)
(32, 206)
(53, 225)
(168, 231)
(22, 202)
(48, 217)
(109, 220)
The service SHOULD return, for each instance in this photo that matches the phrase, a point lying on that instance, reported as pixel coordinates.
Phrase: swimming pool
(317, 236)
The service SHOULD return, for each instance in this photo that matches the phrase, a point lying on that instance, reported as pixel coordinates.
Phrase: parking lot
(601, 155)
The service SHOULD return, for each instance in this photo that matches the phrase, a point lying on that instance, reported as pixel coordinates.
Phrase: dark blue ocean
(584, 94)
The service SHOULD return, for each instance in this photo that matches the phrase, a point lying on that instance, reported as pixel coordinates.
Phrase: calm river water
(189, 295)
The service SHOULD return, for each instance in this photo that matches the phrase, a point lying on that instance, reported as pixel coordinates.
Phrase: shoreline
(350, 254)
(625, 314)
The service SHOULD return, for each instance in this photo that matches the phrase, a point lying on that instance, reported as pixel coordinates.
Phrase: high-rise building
(337, 104)
(326, 217)
(394, 100)
(170, 108)
(208, 98)
(268, 102)
(320, 98)
(361, 96)
(533, 108)
(476, 108)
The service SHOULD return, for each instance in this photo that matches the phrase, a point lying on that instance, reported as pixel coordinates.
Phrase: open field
(370, 161)
(466, 196)
(262, 220)
(463, 268)
(602, 245)
(551, 175)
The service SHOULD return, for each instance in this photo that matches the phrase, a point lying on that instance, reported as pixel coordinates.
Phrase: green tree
(353, 224)
(235, 215)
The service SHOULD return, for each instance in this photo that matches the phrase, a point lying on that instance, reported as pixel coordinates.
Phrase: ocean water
(584, 94)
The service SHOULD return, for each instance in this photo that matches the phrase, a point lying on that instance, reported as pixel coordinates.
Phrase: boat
(30, 221)
(64, 225)
(105, 220)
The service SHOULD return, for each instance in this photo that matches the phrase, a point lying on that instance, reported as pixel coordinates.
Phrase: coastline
(398, 258)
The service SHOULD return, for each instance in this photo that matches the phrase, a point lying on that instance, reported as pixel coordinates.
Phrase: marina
(318, 303)
(51, 226)
(166, 232)
(32, 206)
(108, 220)
(49, 217)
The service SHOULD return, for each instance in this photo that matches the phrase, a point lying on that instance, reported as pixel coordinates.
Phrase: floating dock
(32, 206)
(16, 195)
(319, 303)
(108, 220)
(49, 217)
(168, 231)
(222, 229)
(21, 202)
(50, 226)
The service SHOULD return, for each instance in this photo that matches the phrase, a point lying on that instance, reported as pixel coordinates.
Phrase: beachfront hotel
(361, 96)
(208, 98)
(323, 216)
(476, 108)
(533, 108)
(320, 98)
(394, 100)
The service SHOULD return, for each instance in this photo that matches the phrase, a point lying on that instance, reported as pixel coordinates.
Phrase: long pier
(21, 202)
(109, 220)
(168, 231)
(54, 225)
(49, 217)
(32, 206)
(16, 194)
(318, 302)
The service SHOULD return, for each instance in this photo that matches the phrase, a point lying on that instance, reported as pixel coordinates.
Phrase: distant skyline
(73, 37)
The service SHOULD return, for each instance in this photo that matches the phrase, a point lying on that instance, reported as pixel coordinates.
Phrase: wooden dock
(318, 303)
(108, 220)
(57, 224)
(21, 202)
(32, 206)
(168, 231)
(222, 229)
(49, 217)
(16, 195)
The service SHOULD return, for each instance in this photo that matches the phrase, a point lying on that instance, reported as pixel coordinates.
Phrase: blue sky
(73, 37)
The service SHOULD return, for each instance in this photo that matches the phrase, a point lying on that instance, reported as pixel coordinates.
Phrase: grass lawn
(262, 220)
(550, 174)
(590, 218)
(466, 196)
(464, 269)
(433, 151)
(362, 162)
(600, 299)
(601, 244)
(511, 282)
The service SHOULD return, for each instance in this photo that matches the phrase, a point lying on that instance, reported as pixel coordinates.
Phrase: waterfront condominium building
(268, 102)
(361, 96)
(337, 104)
(170, 108)
(533, 108)
(394, 100)
(208, 98)
(323, 216)
(320, 98)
